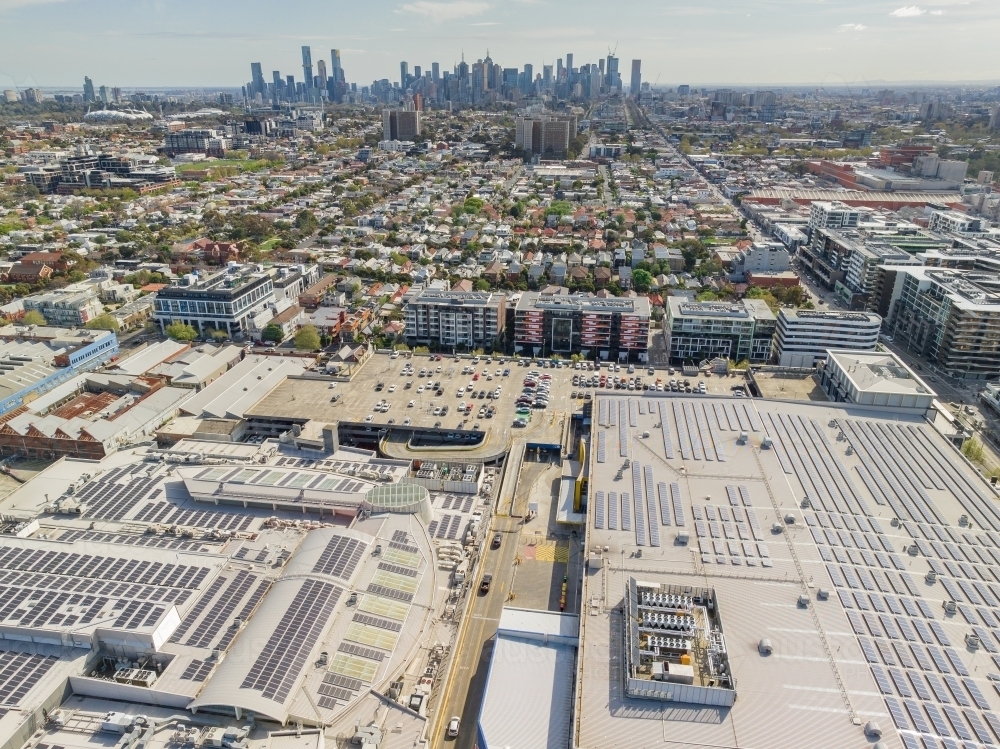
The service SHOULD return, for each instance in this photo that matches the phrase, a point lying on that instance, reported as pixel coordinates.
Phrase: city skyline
(715, 43)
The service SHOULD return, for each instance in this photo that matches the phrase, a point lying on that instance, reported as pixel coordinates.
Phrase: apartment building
(803, 337)
(608, 329)
(864, 279)
(400, 124)
(455, 319)
(70, 307)
(699, 331)
(833, 215)
(227, 300)
(545, 134)
(954, 222)
(760, 257)
(949, 317)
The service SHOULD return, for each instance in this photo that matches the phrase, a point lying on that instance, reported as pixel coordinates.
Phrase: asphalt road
(475, 641)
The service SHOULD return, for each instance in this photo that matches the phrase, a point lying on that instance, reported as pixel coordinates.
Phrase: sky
(211, 43)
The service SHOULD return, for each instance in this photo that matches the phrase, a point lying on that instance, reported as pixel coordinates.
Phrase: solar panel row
(280, 662)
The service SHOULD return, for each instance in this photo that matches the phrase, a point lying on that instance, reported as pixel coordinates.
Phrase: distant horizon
(854, 88)
(131, 45)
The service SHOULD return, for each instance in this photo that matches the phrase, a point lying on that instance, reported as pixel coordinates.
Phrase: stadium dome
(401, 498)
(109, 116)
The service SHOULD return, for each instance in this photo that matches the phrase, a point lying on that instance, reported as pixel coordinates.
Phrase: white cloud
(439, 11)
(11, 4)
(908, 11)
(851, 27)
(937, 12)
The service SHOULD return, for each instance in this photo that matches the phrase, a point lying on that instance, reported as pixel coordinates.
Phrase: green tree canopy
(642, 280)
(180, 331)
(307, 338)
(273, 333)
(103, 322)
(34, 317)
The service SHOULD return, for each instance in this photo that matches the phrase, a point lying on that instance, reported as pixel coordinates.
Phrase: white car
(394, 355)
(406, 422)
(392, 388)
(410, 404)
(453, 726)
(369, 418)
(420, 389)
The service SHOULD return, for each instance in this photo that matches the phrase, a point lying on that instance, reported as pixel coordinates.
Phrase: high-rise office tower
(321, 73)
(636, 84)
(307, 66)
(435, 72)
(88, 89)
(336, 69)
(290, 88)
(257, 76)
(417, 73)
(611, 73)
(404, 75)
(569, 64)
(279, 84)
(104, 94)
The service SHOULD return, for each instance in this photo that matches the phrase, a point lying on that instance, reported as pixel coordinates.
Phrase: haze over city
(189, 43)
(467, 374)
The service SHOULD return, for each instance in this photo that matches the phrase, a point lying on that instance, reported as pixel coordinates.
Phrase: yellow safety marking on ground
(552, 551)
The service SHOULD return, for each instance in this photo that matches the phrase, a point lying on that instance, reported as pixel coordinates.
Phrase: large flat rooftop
(859, 503)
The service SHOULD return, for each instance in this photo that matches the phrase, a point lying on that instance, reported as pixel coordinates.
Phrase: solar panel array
(377, 621)
(197, 670)
(683, 438)
(654, 527)
(599, 509)
(363, 652)
(640, 517)
(622, 431)
(447, 527)
(668, 445)
(602, 443)
(340, 557)
(133, 539)
(166, 513)
(226, 600)
(455, 502)
(19, 672)
(59, 589)
(730, 535)
(112, 495)
(283, 657)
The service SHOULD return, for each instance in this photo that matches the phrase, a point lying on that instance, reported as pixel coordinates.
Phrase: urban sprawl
(499, 407)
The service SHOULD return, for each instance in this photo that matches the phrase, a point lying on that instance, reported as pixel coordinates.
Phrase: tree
(34, 317)
(307, 339)
(273, 333)
(103, 322)
(972, 449)
(306, 222)
(180, 331)
(642, 280)
(481, 284)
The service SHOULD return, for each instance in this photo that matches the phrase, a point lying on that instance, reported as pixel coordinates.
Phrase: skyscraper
(435, 72)
(569, 64)
(636, 84)
(257, 77)
(307, 66)
(611, 73)
(277, 83)
(321, 73)
(88, 89)
(404, 75)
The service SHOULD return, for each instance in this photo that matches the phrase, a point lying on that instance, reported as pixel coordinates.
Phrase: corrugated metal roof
(528, 699)
(237, 681)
